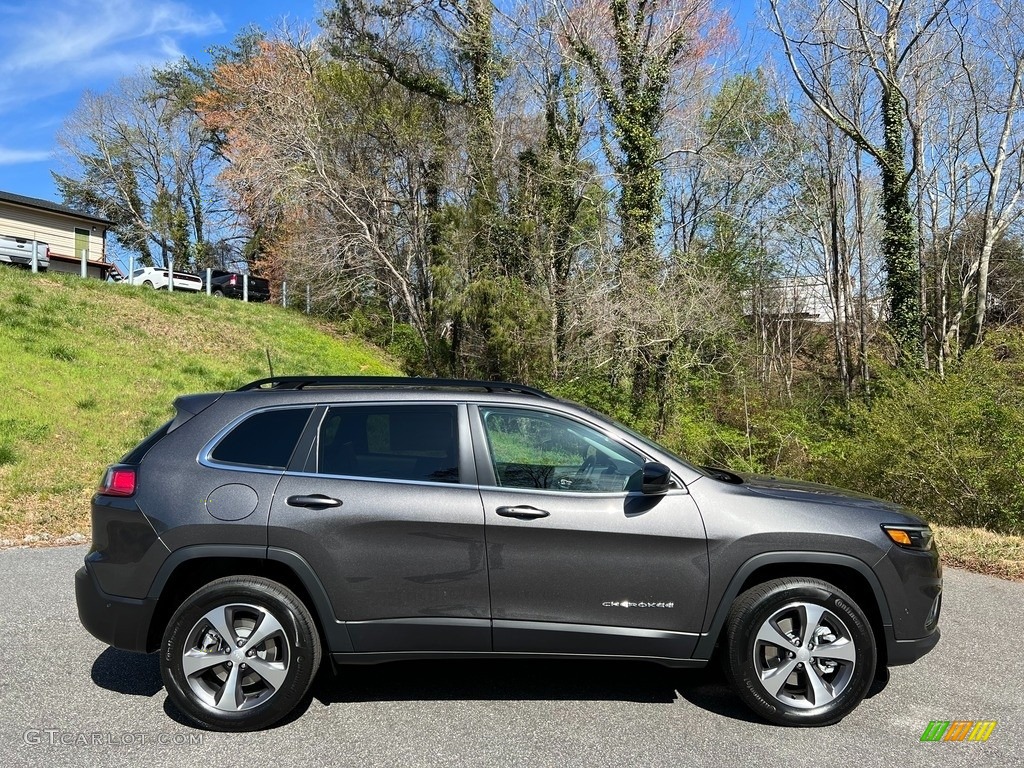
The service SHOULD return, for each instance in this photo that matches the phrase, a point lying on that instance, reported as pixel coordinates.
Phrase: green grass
(90, 368)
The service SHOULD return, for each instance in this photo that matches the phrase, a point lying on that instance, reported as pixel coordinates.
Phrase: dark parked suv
(372, 519)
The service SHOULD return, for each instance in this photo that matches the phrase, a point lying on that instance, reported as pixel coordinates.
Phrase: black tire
(224, 689)
(219, 294)
(147, 284)
(784, 612)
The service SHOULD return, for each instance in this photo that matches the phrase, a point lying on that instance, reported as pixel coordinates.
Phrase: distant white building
(802, 297)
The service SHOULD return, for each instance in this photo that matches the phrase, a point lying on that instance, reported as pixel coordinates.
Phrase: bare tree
(633, 50)
(825, 43)
(992, 58)
(140, 160)
(344, 208)
(969, 138)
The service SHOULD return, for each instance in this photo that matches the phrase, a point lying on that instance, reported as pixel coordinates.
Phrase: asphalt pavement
(67, 699)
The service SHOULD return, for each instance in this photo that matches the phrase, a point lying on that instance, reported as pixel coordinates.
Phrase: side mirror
(657, 478)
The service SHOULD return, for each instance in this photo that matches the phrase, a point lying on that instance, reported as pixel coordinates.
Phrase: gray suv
(373, 519)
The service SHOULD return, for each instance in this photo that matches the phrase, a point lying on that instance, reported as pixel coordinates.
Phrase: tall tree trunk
(922, 280)
(834, 249)
(479, 46)
(862, 278)
(899, 246)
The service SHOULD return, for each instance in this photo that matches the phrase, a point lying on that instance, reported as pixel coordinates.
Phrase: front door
(82, 244)
(580, 561)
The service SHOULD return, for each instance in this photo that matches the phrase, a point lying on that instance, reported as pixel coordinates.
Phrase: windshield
(641, 438)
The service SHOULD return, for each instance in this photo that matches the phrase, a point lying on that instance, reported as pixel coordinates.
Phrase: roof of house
(46, 205)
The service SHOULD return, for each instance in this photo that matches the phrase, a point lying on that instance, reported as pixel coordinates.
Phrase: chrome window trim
(600, 428)
(206, 460)
(389, 480)
(454, 404)
(580, 494)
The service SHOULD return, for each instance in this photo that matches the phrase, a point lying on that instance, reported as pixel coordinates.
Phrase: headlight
(910, 536)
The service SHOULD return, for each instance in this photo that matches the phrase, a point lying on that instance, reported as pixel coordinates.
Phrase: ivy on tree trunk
(899, 238)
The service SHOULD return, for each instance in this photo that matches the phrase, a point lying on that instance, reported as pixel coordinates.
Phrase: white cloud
(53, 50)
(67, 44)
(10, 156)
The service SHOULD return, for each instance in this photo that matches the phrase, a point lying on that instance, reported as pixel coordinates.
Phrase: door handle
(522, 513)
(315, 501)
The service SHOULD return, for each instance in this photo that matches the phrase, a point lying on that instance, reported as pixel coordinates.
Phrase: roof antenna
(270, 365)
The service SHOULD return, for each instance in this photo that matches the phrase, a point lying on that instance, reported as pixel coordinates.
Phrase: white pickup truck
(18, 250)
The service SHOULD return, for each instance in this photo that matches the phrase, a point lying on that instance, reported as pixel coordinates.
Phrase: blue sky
(53, 50)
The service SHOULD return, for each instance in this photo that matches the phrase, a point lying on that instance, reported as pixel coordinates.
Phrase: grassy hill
(89, 368)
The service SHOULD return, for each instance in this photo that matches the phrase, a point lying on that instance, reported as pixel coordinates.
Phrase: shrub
(950, 448)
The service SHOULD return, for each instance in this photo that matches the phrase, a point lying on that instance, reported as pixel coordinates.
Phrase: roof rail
(278, 383)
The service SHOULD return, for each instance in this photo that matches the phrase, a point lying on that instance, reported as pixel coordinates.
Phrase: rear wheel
(239, 654)
(147, 284)
(799, 651)
(219, 294)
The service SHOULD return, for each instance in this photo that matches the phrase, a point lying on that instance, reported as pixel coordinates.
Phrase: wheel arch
(189, 568)
(846, 572)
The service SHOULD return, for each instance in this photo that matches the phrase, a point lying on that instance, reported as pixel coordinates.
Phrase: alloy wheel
(236, 657)
(804, 655)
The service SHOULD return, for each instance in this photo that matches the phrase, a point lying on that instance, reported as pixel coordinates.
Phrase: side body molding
(339, 641)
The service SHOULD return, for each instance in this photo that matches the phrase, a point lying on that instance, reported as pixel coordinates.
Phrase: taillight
(232, 280)
(118, 481)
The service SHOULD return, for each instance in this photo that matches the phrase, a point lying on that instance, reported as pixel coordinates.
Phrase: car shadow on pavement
(134, 674)
(499, 680)
(638, 682)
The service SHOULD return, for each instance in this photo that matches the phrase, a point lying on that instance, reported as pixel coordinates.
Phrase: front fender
(706, 645)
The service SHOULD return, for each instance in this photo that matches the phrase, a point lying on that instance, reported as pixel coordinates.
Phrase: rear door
(580, 561)
(387, 512)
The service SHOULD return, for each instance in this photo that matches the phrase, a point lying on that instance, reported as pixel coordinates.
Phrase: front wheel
(239, 654)
(799, 651)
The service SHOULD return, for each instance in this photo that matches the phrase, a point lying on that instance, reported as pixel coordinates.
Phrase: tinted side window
(265, 439)
(531, 449)
(402, 442)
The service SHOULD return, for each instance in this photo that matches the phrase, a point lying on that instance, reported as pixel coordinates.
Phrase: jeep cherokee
(371, 519)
